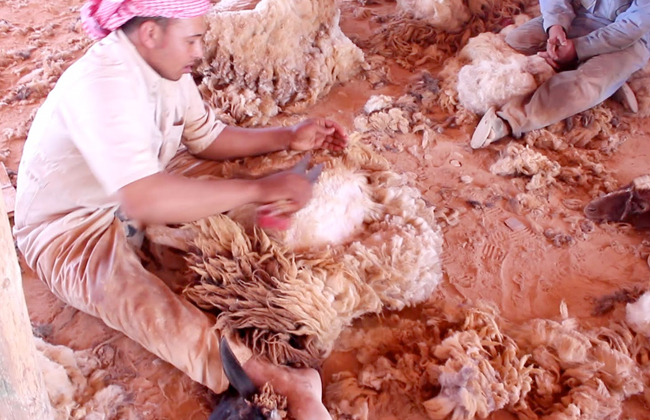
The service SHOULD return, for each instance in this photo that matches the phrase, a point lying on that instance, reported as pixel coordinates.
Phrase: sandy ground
(522, 271)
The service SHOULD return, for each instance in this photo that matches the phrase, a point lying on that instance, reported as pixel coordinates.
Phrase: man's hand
(564, 54)
(318, 133)
(556, 39)
(559, 50)
(295, 188)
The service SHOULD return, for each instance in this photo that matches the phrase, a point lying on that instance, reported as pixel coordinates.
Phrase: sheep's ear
(235, 373)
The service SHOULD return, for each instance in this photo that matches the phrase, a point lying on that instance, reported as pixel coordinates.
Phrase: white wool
(279, 54)
(521, 160)
(378, 103)
(489, 83)
(638, 314)
(338, 208)
(496, 73)
(446, 15)
(74, 383)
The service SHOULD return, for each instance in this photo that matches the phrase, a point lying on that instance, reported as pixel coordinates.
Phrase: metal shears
(276, 215)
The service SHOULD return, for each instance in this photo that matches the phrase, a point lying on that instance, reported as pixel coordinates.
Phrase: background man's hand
(556, 39)
(559, 50)
(318, 133)
(286, 185)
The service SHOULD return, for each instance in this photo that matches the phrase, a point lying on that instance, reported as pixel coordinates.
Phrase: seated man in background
(100, 143)
(596, 45)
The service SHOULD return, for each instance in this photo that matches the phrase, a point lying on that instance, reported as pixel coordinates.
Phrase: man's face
(176, 47)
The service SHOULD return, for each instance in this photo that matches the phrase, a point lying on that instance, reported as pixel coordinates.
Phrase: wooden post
(22, 390)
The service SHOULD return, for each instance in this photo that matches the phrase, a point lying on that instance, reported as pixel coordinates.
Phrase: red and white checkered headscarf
(101, 17)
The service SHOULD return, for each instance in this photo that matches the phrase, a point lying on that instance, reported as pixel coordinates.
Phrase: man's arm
(557, 12)
(202, 129)
(629, 27)
(208, 138)
(236, 142)
(165, 198)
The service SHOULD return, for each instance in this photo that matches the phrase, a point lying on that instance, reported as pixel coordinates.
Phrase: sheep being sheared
(367, 241)
(494, 73)
(281, 55)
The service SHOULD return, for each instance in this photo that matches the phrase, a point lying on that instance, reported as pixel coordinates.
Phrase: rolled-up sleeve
(629, 27)
(110, 129)
(202, 127)
(557, 12)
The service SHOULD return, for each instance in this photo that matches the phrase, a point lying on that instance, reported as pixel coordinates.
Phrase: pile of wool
(425, 31)
(488, 72)
(446, 15)
(76, 383)
(597, 128)
(522, 160)
(386, 115)
(366, 242)
(280, 56)
(470, 363)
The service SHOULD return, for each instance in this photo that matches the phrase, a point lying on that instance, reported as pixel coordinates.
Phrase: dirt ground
(524, 272)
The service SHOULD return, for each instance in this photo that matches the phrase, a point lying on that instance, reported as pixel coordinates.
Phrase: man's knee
(522, 42)
(528, 38)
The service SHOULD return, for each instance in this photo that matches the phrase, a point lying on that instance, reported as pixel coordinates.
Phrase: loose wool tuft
(75, 383)
(518, 159)
(467, 363)
(638, 314)
(281, 55)
(445, 15)
(367, 241)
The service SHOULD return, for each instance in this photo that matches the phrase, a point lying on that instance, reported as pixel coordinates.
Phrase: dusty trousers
(568, 92)
(94, 269)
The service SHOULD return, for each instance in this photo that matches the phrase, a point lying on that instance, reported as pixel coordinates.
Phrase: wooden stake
(22, 390)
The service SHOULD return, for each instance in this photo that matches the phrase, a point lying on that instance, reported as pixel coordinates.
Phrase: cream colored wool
(281, 55)
(496, 73)
(75, 383)
(388, 115)
(470, 363)
(521, 160)
(366, 242)
(446, 15)
(638, 314)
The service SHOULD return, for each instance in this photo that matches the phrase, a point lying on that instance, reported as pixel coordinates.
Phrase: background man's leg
(571, 92)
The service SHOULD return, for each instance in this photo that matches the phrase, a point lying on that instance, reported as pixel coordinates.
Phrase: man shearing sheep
(100, 143)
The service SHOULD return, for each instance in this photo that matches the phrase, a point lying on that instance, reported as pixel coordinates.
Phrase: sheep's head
(243, 401)
(630, 204)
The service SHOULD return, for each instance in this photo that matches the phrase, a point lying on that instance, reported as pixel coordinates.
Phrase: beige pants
(568, 92)
(98, 272)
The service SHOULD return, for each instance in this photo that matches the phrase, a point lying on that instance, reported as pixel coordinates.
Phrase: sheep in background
(488, 72)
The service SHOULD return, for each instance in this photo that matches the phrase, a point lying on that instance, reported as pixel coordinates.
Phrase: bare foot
(302, 387)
